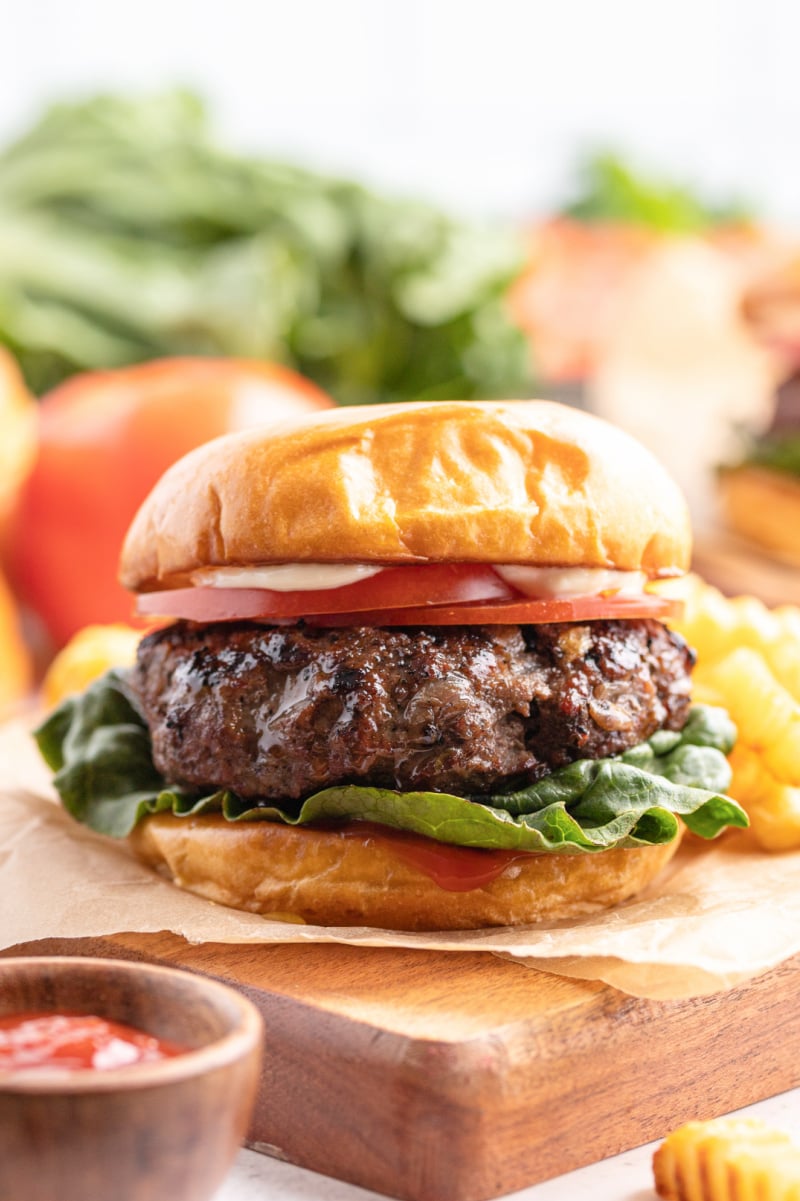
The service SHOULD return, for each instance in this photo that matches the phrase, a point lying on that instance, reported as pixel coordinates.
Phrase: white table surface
(626, 1177)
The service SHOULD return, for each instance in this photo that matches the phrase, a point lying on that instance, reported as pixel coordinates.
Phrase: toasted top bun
(480, 482)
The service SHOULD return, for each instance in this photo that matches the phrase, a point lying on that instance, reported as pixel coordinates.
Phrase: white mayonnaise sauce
(571, 581)
(285, 577)
(531, 581)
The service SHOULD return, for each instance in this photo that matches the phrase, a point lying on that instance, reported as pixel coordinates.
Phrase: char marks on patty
(279, 712)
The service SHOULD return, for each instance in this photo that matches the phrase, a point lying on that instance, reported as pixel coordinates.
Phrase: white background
(484, 104)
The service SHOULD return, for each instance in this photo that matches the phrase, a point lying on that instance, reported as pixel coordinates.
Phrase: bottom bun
(764, 507)
(346, 878)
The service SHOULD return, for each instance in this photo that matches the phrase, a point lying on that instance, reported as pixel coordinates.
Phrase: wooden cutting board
(459, 1077)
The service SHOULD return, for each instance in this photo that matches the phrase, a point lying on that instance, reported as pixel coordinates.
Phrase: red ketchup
(456, 869)
(76, 1041)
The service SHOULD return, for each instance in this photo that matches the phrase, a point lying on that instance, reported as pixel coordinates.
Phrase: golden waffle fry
(784, 661)
(92, 651)
(16, 672)
(729, 1159)
(715, 625)
(772, 806)
(766, 714)
(749, 662)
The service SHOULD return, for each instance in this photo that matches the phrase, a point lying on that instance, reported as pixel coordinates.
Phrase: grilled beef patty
(278, 712)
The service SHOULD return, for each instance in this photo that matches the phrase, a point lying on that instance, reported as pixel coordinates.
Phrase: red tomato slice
(432, 594)
(395, 587)
(513, 612)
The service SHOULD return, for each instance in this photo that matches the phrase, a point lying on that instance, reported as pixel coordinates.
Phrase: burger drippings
(455, 869)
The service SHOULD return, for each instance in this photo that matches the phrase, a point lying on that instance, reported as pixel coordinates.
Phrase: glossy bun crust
(328, 878)
(483, 482)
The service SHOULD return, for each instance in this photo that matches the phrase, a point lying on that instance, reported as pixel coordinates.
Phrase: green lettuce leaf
(98, 746)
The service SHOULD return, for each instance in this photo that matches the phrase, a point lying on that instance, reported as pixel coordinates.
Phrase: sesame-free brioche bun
(523, 481)
(329, 878)
(526, 482)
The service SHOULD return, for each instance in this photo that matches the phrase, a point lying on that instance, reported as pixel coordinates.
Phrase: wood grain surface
(167, 1129)
(739, 569)
(459, 1077)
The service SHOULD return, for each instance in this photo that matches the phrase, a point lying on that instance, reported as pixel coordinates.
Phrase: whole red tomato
(105, 438)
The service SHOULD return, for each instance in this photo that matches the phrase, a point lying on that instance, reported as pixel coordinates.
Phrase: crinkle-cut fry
(776, 633)
(755, 624)
(728, 1159)
(788, 619)
(92, 651)
(689, 589)
(749, 662)
(704, 694)
(16, 670)
(784, 661)
(766, 714)
(773, 807)
(715, 624)
(708, 622)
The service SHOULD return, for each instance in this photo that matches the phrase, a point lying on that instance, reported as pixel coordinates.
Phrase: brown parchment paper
(720, 914)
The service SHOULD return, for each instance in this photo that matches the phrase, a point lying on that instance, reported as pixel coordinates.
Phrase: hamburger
(413, 674)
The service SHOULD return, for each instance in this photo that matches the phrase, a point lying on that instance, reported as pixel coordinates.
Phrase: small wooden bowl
(167, 1129)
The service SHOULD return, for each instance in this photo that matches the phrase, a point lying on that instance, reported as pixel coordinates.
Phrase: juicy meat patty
(278, 712)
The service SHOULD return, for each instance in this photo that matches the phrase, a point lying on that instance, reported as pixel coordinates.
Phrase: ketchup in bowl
(76, 1041)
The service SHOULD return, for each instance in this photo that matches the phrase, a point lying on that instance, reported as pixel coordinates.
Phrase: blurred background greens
(127, 232)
